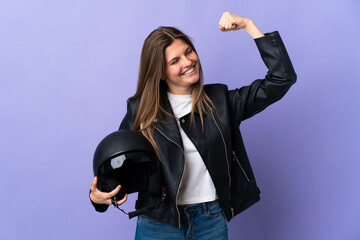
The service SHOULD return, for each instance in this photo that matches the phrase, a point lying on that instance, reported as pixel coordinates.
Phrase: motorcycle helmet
(128, 159)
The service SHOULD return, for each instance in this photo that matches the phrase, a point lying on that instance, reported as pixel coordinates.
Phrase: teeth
(189, 71)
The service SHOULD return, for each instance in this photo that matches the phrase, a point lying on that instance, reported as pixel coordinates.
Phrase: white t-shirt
(196, 185)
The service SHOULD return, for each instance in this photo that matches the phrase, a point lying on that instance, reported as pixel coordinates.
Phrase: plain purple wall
(67, 68)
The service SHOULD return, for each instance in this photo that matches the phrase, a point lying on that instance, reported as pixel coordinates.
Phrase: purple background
(67, 68)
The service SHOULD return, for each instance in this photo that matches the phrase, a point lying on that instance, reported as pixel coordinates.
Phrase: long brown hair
(152, 68)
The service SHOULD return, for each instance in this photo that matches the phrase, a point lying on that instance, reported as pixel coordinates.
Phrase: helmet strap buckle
(116, 205)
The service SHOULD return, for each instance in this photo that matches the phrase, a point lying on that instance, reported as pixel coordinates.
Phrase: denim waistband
(197, 207)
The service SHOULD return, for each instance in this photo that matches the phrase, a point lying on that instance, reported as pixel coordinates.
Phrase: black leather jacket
(220, 143)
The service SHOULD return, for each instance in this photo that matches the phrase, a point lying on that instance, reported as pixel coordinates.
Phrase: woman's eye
(189, 51)
(173, 62)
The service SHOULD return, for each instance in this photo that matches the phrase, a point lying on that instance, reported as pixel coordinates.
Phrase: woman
(194, 129)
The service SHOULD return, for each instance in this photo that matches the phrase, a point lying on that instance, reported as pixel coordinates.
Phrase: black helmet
(128, 159)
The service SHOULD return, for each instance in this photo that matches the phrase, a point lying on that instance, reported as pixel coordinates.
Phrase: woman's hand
(103, 197)
(230, 22)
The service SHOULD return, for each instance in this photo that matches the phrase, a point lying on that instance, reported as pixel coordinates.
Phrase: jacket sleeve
(249, 100)
(126, 124)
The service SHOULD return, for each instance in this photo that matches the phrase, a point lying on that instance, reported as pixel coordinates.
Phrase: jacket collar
(167, 124)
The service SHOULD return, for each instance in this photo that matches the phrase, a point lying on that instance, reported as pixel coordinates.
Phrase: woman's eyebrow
(189, 47)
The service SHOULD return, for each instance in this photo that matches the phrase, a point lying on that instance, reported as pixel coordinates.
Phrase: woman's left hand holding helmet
(230, 22)
(104, 197)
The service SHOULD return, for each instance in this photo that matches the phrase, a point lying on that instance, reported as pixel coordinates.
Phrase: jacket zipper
(227, 160)
(177, 191)
(242, 169)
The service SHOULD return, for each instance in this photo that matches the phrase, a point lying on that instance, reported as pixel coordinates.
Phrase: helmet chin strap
(134, 213)
(141, 211)
(114, 203)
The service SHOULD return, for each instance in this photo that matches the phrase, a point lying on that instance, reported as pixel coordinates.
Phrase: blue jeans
(198, 222)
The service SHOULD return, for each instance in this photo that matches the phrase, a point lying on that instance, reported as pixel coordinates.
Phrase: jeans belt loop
(205, 208)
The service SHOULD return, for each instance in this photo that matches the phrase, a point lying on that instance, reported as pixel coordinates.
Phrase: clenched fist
(230, 21)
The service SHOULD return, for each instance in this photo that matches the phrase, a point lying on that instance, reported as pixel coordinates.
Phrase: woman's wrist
(253, 30)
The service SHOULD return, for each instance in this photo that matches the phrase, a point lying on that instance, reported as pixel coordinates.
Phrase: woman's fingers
(221, 23)
(226, 22)
(230, 21)
(94, 191)
(93, 184)
(122, 200)
(113, 192)
(104, 197)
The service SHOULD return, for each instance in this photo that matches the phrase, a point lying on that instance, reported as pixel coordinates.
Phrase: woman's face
(182, 67)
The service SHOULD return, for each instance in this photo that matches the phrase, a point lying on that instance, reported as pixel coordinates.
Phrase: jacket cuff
(268, 37)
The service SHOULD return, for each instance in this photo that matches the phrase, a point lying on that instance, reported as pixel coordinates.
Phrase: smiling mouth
(192, 69)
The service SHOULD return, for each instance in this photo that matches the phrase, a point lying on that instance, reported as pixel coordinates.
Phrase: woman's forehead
(177, 48)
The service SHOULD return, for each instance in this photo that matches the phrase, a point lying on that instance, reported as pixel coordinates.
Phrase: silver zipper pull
(242, 169)
(232, 212)
(234, 156)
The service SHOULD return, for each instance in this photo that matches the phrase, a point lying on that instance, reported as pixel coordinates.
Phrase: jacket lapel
(168, 125)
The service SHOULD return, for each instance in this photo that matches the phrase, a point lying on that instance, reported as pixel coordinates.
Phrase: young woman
(194, 129)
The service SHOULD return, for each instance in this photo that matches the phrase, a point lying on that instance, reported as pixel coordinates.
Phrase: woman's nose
(186, 61)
